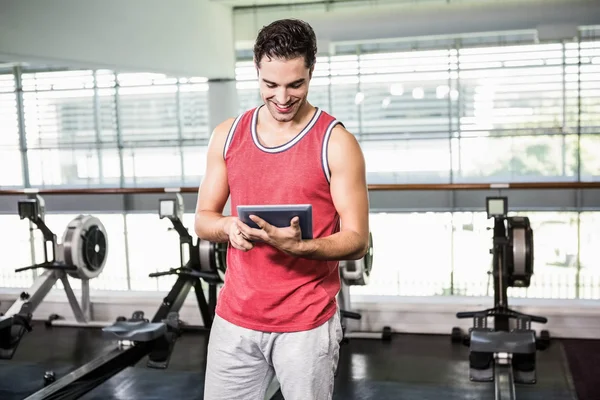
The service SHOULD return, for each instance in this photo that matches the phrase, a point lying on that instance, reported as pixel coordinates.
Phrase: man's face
(283, 86)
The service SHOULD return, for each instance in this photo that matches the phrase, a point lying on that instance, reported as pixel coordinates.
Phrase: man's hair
(286, 39)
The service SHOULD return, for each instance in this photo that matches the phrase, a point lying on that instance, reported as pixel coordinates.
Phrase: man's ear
(311, 72)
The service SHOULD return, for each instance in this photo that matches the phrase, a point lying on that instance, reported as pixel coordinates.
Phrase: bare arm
(350, 196)
(210, 224)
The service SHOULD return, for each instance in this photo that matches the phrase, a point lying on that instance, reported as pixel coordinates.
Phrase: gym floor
(419, 367)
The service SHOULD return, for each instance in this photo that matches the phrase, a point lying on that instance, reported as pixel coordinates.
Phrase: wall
(375, 20)
(135, 35)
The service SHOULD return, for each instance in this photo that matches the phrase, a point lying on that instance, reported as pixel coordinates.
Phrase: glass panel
(106, 115)
(148, 113)
(14, 235)
(589, 54)
(589, 253)
(152, 166)
(194, 164)
(407, 161)
(110, 165)
(153, 247)
(471, 256)
(526, 158)
(11, 168)
(590, 161)
(345, 102)
(511, 89)
(59, 108)
(9, 118)
(555, 256)
(76, 167)
(418, 271)
(407, 92)
(318, 94)
(247, 86)
(193, 99)
(11, 171)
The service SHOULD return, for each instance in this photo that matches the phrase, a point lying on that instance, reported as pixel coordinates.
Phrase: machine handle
(49, 265)
(157, 274)
(541, 320)
(466, 314)
(350, 314)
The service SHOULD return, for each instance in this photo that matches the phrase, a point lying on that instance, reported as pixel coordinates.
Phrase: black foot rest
(5, 322)
(516, 342)
(136, 329)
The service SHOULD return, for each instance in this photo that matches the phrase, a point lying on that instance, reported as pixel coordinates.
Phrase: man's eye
(271, 86)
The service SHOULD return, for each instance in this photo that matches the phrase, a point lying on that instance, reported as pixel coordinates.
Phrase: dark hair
(286, 39)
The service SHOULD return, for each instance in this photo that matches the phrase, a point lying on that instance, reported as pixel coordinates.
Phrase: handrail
(373, 188)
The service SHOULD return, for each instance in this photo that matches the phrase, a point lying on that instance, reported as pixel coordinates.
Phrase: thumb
(295, 222)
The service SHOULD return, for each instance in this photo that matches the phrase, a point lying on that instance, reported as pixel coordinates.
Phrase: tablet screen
(279, 216)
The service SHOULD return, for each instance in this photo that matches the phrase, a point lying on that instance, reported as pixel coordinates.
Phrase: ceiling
(251, 3)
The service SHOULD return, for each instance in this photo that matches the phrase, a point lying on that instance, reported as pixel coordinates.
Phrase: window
(193, 100)
(70, 167)
(152, 166)
(11, 168)
(11, 172)
(247, 86)
(514, 90)
(589, 256)
(194, 164)
(589, 149)
(515, 158)
(153, 247)
(448, 254)
(407, 161)
(14, 235)
(414, 260)
(407, 93)
(59, 109)
(148, 113)
(589, 55)
(509, 108)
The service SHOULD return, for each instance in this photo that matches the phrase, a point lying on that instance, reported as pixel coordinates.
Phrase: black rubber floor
(419, 367)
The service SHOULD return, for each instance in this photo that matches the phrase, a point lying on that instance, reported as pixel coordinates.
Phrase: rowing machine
(506, 353)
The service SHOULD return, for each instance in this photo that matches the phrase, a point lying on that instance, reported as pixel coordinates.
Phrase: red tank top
(266, 289)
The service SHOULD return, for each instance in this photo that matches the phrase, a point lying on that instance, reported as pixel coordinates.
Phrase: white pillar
(222, 102)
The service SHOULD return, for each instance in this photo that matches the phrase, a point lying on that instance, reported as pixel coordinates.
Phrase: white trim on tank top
(230, 134)
(324, 159)
(287, 145)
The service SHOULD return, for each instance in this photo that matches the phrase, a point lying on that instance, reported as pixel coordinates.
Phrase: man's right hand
(236, 238)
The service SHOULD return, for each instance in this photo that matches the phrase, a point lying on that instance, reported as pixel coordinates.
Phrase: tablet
(279, 216)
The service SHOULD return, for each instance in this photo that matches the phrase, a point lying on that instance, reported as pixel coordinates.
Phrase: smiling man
(277, 311)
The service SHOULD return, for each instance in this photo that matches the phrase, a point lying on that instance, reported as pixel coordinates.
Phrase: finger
(262, 224)
(240, 243)
(295, 223)
(252, 233)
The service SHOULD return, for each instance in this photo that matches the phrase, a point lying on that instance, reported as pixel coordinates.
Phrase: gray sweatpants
(242, 362)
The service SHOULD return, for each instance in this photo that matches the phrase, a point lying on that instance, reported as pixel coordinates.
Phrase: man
(277, 311)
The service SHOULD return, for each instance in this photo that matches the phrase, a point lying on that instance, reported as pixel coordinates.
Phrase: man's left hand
(288, 239)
